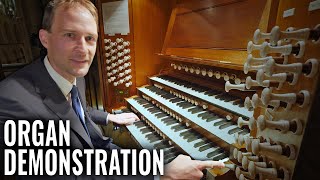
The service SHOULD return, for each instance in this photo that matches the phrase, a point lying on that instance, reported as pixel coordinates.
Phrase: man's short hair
(54, 4)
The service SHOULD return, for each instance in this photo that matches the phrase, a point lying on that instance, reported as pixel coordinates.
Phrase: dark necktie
(76, 105)
(97, 141)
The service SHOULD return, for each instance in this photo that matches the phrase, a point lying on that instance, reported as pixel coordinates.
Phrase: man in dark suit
(53, 87)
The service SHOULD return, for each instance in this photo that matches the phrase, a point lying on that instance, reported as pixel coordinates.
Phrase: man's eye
(70, 35)
(90, 38)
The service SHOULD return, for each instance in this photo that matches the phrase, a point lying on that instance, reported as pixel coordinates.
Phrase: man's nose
(81, 46)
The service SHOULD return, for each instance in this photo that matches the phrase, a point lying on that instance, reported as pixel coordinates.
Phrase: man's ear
(43, 36)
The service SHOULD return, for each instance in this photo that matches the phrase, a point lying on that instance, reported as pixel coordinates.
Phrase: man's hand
(123, 118)
(183, 167)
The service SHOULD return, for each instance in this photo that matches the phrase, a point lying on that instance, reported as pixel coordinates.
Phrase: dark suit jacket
(31, 94)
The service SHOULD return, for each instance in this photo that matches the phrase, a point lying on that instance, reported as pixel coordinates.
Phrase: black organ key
(244, 131)
(235, 130)
(201, 143)
(147, 105)
(211, 118)
(139, 124)
(195, 109)
(228, 124)
(161, 145)
(204, 114)
(161, 115)
(215, 153)
(175, 100)
(146, 130)
(223, 121)
(205, 147)
(220, 156)
(153, 134)
(171, 122)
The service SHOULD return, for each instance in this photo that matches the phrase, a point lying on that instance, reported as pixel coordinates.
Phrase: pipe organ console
(238, 87)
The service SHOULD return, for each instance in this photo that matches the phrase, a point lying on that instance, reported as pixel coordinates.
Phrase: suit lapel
(54, 99)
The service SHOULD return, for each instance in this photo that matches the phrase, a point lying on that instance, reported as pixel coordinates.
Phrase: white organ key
(108, 61)
(297, 50)
(108, 68)
(228, 86)
(116, 83)
(109, 74)
(210, 73)
(114, 71)
(107, 54)
(120, 54)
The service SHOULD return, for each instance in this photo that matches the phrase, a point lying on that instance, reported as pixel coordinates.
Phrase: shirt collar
(64, 85)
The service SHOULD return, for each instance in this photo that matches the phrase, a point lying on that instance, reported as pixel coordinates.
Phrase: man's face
(71, 44)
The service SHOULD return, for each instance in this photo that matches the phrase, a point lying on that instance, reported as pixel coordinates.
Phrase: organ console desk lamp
(242, 89)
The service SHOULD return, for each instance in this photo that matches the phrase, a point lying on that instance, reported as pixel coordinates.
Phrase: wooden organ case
(241, 86)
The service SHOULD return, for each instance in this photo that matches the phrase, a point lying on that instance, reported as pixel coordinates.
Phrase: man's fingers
(132, 115)
(210, 164)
